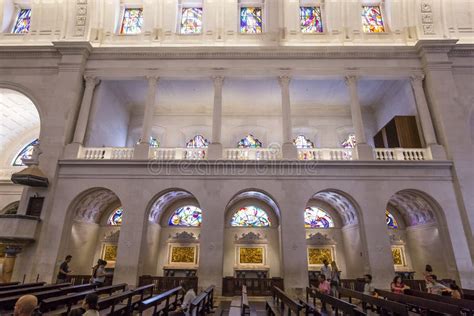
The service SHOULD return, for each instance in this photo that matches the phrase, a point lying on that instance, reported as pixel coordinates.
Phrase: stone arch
(10, 208)
(254, 194)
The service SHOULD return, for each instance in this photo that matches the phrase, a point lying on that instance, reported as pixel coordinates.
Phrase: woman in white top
(188, 298)
(98, 273)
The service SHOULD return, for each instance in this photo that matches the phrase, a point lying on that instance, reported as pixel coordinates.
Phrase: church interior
(237, 156)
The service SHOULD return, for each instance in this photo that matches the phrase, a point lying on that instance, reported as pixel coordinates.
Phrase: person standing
(335, 278)
(326, 270)
(64, 270)
(98, 273)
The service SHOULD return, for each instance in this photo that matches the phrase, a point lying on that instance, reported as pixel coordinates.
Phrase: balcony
(18, 229)
(325, 154)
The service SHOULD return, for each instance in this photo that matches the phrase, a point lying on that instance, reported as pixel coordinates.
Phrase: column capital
(284, 80)
(351, 79)
(91, 80)
(218, 80)
(417, 78)
(152, 79)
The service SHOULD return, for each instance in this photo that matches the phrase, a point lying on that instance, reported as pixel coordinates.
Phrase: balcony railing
(105, 153)
(251, 154)
(178, 153)
(402, 154)
(325, 154)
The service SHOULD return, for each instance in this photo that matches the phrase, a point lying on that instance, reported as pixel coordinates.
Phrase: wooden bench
(335, 303)
(466, 305)
(421, 305)
(10, 287)
(281, 303)
(111, 289)
(468, 294)
(27, 290)
(383, 307)
(114, 304)
(7, 303)
(162, 303)
(240, 305)
(140, 294)
(8, 284)
(203, 303)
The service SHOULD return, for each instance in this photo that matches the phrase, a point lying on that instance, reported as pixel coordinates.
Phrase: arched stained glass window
(191, 20)
(250, 216)
(115, 219)
(350, 141)
(251, 21)
(302, 142)
(22, 22)
(186, 216)
(391, 221)
(314, 217)
(310, 20)
(249, 142)
(132, 21)
(153, 142)
(197, 141)
(25, 153)
(372, 20)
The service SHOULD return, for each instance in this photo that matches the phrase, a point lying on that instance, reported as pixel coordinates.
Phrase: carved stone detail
(319, 239)
(81, 18)
(183, 238)
(250, 238)
(112, 237)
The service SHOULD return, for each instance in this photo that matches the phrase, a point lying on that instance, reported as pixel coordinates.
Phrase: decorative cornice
(250, 238)
(319, 239)
(183, 238)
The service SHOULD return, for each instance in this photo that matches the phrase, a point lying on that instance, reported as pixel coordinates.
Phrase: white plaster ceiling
(247, 96)
(414, 209)
(91, 206)
(18, 115)
(164, 201)
(344, 207)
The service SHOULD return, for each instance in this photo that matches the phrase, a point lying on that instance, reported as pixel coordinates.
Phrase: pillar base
(72, 151)
(141, 151)
(363, 152)
(289, 151)
(437, 152)
(214, 151)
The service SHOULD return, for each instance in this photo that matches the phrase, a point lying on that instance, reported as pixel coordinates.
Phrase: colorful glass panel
(249, 142)
(310, 20)
(115, 219)
(250, 216)
(132, 21)
(349, 142)
(25, 153)
(315, 217)
(197, 141)
(372, 20)
(22, 23)
(391, 221)
(186, 216)
(251, 21)
(191, 21)
(302, 142)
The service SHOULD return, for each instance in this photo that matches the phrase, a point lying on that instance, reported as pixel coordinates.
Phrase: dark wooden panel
(407, 132)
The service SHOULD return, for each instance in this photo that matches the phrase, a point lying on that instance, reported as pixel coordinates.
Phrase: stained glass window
(132, 21)
(302, 142)
(310, 20)
(191, 21)
(249, 142)
(115, 219)
(251, 21)
(186, 216)
(391, 221)
(25, 153)
(315, 217)
(349, 142)
(250, 216)
(372, 21)
(22, 23)
(197, 141)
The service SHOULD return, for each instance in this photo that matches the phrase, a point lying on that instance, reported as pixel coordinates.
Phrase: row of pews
(61, 299)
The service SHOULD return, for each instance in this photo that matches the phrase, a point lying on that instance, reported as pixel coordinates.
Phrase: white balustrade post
(73, 149)
(215, 148)
(289, 150)
(142, 149)
(363, 151)
(429, 134)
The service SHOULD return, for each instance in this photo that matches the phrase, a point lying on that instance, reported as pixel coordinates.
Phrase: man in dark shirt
(64, 270)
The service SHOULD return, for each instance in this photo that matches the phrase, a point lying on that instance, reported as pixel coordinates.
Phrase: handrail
(158, 299)
(407, 154)
(292, 304)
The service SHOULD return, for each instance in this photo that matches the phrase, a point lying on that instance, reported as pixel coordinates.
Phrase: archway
(417, 234)
(96, 218)
(172, 236)
(333, 233)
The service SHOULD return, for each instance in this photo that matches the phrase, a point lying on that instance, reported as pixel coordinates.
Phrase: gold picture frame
(251, 255)
(109, 253)
(398, 256)
(183, 255)
(316, 255)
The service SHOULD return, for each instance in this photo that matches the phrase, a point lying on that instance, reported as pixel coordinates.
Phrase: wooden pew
(12, 287)
(421, 305)
(141, 292)
(466, 305)
(23, 291)
(114, 304)
(8, 284)
(162, 303)
(240, 305)
(337, 305)
(280, 303)
(384, 307)
(203, 303)
(7, 303)
(111, 289)
(468, 294)
(418, 285)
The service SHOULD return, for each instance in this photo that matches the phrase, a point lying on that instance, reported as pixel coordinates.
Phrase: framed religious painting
(398, 255)
(248, 255)
(183, 255)
(316, 255)
(109, 253)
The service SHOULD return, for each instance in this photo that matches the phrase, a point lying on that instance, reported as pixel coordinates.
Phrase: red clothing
(324, 287)
(397, 288)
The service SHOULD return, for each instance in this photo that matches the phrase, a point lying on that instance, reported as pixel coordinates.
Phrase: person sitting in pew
(25, 306)
(455, 291)
(435, 287)
(188, 298)
(397, 286)
(90, 305)
(369, 289)
(324, 285)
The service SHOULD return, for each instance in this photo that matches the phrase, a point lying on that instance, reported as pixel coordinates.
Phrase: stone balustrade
(325, 153)
(402, 154)
(178, 153)
(106, 153)
(252, 154)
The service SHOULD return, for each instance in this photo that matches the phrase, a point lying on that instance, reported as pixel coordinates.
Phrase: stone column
(363, 151)
(288, 149)
(215, 148)
(83, 118)
(142, 148)
(437, 151)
